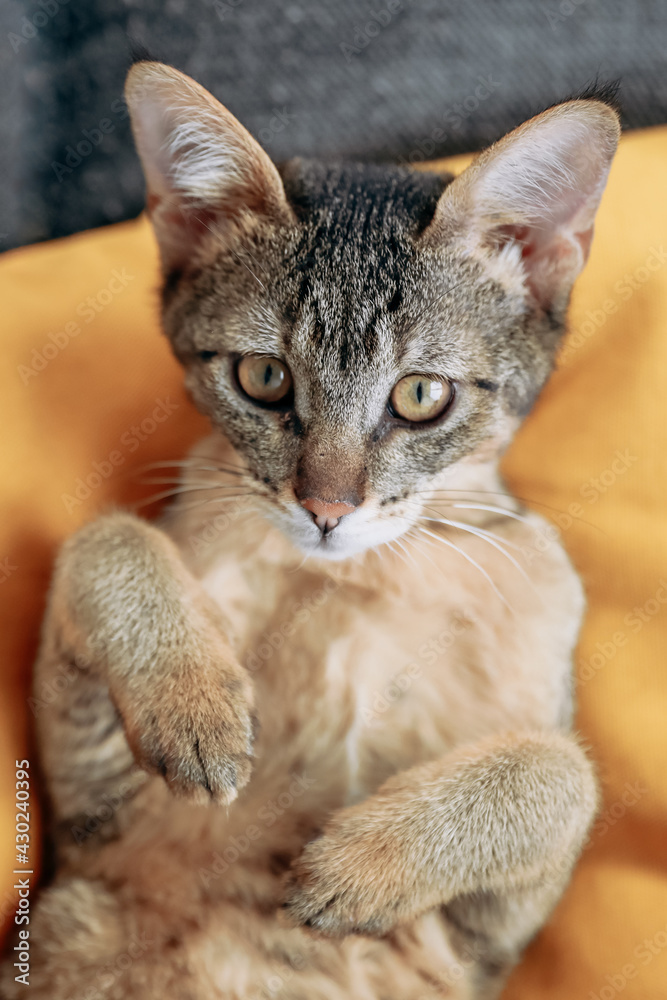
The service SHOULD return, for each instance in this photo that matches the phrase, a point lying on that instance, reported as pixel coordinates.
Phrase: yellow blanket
(90, 393)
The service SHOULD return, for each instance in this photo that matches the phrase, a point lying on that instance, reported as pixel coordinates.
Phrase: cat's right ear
(526, 206)
(205, 174)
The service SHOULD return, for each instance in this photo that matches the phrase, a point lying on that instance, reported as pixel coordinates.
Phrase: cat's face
(324, 320)
(362, 334)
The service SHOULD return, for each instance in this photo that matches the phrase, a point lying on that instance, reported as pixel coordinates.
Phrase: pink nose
(321, 508)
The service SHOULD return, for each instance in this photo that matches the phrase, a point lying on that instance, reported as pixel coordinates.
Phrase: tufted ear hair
(527, 205)
(205, 174)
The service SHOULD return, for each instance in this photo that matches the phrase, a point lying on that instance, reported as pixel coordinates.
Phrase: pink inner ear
(184, 227)
(196, 220)
(509, 233)
(550, 256)
(182, 230)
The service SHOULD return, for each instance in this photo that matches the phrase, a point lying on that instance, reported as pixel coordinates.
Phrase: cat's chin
(334, 549)
(355, 535)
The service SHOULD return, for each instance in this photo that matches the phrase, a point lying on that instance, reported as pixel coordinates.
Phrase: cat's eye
(420, 397)
(263, 378)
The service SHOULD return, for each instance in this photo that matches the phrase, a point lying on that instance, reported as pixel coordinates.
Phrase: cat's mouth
(342, 535)
(217, 483)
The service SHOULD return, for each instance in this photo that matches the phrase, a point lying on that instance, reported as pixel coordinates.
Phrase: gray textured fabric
(380, 80)
(13, 123)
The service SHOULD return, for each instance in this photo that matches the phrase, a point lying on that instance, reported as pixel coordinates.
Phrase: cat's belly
(353, 685)
(412, 963)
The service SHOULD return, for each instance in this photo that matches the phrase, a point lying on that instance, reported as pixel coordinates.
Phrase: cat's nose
(323, 508)
(327, 514)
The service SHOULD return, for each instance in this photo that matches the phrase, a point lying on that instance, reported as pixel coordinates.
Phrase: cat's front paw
(351, 880)
(196, 729)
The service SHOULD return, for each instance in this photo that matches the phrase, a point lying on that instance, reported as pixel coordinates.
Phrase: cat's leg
(88, 941)
(135, 666)
(491, 833)
(134, 675)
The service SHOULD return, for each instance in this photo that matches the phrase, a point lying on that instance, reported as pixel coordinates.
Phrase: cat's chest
(352, 683)
(336, 638)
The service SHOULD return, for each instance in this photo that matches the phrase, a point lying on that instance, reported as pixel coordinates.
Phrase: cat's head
(362, 334)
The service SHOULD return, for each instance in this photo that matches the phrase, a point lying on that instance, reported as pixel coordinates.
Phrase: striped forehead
(339, 332)
(352, 260)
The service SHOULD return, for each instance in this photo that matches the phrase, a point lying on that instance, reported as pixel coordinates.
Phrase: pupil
(268, 372)
(420, 392)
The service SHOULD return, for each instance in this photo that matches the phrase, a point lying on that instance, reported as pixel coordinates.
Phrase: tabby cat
(325, 705)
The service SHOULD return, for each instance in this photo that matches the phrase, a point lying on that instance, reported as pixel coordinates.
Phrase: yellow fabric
(592, 456)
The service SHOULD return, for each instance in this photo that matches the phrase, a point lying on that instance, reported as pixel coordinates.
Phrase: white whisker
(259, 265)
(306, 557)
(487, 536)
(461, 552)
(225, 246)
(415, 539)
(190, 463)
(176, 491)
(209, 500)
(193, 484)
(474, 529)
(395, 552)
(493, 510)
(407, 552)
(165, 494)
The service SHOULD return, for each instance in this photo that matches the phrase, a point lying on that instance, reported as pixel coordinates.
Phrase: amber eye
(420, 397)
(265, 379)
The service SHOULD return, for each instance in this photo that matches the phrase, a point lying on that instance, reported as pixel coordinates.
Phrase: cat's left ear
(526, 206)
(205, 174)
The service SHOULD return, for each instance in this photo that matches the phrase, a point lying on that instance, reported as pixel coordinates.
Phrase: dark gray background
(287, 70)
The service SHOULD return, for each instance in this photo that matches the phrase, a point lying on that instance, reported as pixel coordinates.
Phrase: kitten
(329, 733)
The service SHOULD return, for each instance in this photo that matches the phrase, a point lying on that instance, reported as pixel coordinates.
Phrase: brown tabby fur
(353, 776)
